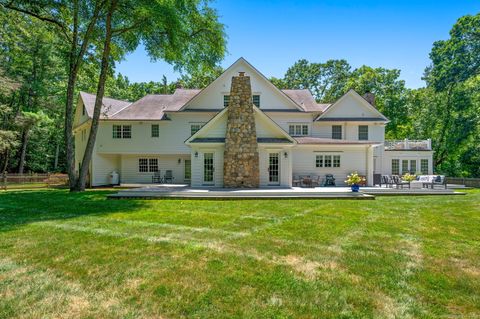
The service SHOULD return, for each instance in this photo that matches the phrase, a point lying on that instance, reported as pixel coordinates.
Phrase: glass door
(208, 168)
(188, 170)
(273, 169)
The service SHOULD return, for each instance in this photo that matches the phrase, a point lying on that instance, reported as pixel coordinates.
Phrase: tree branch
(40, 17)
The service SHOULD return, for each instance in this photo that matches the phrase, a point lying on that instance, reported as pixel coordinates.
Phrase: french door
(274, 168)
(208, 168)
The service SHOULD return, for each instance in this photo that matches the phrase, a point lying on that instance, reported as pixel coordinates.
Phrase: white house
(186, 133)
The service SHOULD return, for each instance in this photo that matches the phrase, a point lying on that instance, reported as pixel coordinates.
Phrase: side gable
(270, 96)
(351, 106)
(215, 129)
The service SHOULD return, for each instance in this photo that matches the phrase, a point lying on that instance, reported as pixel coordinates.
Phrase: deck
(138, 191)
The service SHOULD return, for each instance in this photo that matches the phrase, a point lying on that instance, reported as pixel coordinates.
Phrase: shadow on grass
(18, 208)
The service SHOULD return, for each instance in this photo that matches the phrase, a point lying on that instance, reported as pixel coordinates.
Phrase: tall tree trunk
(87, 156)
(57, 152)
(5, 164)
(23, 151)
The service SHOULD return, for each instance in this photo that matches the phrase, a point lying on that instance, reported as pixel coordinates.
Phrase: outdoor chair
(399, 182)
(329, 180)
(306, 181)
(157, 177)
(436, 180)
(387, 181)
(168, 178)
(315, 181)
(296, 180)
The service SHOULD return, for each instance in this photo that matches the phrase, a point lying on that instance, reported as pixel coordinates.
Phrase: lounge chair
(168, 178)
(157, 177)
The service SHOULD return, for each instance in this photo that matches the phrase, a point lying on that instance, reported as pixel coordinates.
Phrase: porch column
(369, 161)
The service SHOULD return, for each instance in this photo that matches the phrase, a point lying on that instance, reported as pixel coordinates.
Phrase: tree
(326, 80)
(186, 34)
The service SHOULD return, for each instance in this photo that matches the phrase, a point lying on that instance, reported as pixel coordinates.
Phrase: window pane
(143, 165)
(337, 132)
(188, 170)
(395, 167)
(127, 131)
(404, 166)
(336, 160)
(424, 166)
(194, 128)
(256, 100)
(153, 164)
(155, 130)
(226, 100)
(291, 129)
(117, 131)
(328, 160)
(298, 130)
(304, 129)
(413, 166)
(363, 132)
(319, 161)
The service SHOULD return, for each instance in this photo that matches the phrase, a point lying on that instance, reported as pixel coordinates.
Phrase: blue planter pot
(355, 187)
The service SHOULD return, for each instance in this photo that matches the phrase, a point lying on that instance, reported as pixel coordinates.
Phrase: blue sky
(272, 35)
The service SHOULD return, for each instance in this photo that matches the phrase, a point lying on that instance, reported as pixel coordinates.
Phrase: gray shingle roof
(343, 119)
(305, 99)
(153, 106)
(109, 106)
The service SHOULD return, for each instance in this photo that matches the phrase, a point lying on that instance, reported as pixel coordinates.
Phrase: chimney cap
(241, 73)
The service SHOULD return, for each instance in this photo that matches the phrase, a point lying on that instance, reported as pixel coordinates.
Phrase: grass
(81, 256)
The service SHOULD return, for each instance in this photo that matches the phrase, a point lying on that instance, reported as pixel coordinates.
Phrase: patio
(159, 191)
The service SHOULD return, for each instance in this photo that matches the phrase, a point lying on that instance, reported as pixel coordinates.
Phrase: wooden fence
(19, 181)
(469, 182)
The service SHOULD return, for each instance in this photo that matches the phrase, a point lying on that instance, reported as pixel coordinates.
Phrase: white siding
(284, 162)
(197, 165)
(406, 155)
(129, 168)
(102, 166)
(212, 96)
(351, 105)
(351, 159)
(170, 141)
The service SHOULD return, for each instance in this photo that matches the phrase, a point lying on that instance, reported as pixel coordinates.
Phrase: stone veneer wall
(241, 162)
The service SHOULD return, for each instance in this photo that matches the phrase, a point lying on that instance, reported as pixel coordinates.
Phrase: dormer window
(226, 100)
(256, 100)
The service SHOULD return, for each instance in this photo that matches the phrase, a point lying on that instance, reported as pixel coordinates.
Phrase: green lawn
(82, 256)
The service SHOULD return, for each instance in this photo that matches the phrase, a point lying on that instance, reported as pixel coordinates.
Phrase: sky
(273, 35)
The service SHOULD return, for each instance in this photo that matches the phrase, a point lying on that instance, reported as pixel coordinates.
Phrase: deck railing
(406, 144)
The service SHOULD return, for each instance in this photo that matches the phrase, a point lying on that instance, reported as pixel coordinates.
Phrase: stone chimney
(370, 97)
(241, 163)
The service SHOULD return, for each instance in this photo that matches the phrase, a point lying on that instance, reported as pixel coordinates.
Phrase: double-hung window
(122, 131)
(322, 160)
(155, 130)
(363, 132)
(195, 127)
(256, 100)
(146, 165)
(336, 132)
(298, 129)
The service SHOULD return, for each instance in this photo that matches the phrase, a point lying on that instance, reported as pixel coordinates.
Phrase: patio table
(416, 185)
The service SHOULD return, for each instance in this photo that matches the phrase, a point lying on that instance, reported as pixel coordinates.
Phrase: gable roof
(196, 138)
(109, 106)
(242, 60)
(360, 98)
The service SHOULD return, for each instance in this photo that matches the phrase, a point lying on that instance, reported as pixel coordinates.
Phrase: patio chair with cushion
(399, 182)
(296, 181)
(387, 181)
(436, 180)
(315, 181)
(329, 180)
(306, 181)
(168, 178)
(157, 177)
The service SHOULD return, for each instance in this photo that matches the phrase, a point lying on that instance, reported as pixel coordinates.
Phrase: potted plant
(407, 177)
(354, 180)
